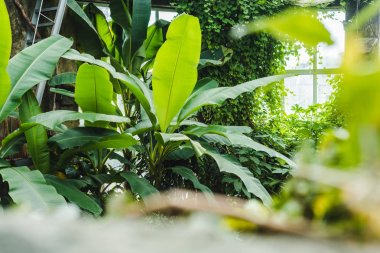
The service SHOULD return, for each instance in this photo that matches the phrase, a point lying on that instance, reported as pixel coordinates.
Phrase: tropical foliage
(138, 91)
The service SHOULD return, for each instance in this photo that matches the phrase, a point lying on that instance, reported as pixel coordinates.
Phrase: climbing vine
(253, 56)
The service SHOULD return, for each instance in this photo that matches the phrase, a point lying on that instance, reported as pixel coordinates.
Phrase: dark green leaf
(74, 195)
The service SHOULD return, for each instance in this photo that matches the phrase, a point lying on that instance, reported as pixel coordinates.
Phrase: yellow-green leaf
(297, 24)
(175, 69)
(94, 90)
(5, 52)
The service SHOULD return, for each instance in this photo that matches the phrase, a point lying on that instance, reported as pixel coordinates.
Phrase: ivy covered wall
(253, 56)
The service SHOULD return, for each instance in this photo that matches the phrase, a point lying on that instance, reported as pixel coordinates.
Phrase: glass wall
(306, 90)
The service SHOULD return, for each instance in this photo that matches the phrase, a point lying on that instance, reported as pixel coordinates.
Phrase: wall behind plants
(254, 56)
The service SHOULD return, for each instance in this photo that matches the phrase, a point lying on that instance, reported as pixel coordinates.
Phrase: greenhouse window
(315, 88)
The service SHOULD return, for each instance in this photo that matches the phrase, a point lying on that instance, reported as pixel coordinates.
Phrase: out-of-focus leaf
(297, 24)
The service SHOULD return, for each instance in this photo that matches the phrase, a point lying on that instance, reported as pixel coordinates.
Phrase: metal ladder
(41, 19)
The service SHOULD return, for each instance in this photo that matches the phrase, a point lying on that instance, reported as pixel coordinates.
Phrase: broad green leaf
(62, 92)
(139, 185)
(233, 135)
(140, 20)
(175, 68)
(136, 86)
(54, 119)
(94, 90)
(63, 78)
(36, 137)
(188, 174)
(230, 165)
(217, 96)
(30, 189)
(297, 24)
(5, 52)
(74, 195)
(80, 136)
(31, 66)
(118, 141)
(240, 140)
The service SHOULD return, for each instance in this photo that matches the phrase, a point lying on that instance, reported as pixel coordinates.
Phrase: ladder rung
(49, 9)
(45, 24)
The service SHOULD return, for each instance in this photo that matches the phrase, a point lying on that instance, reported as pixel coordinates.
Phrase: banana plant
(17, 78)
(165, 127)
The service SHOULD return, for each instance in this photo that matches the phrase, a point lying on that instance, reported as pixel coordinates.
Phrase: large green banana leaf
(117, 141)
(5, 52)
(31, 66)
(74, 195)
(135, 85)
(175, 68)
(94, 90)
(217, 96)
(30, 189)
(80, 136)
(227, 135)
(36, 137)
(53, 119)
(89, 138)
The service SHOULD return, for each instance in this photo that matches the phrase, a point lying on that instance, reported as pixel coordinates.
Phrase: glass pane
(328, 56)
(324, 87)
(300, 92)
(331, 56)
(167, 15)
(106, 11)
(152, 17)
